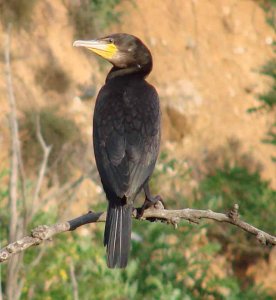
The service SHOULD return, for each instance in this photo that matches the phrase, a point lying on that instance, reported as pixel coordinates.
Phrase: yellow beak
(103, 48)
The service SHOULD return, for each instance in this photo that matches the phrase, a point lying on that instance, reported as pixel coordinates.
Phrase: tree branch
(16, 166)
(14, 142)
(42, 171)
(74, 281)
(43, 232)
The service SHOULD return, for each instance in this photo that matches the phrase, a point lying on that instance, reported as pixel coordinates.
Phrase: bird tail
(117, 234)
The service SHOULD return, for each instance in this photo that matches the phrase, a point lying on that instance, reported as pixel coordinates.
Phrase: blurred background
(215, 71)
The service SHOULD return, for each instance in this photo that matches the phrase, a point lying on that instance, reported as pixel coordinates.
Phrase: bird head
(121, 49)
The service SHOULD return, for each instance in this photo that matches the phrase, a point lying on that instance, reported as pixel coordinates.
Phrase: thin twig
(42, 171)
(43, 232)
(14, 264)
(14, 136)
(74, 281)
(37, 260)
(1, 297)
(61, 191)
(23, 194)
(19, 288)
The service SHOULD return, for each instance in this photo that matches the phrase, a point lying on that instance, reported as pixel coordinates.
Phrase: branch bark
(42, 171)
(1, 295)
(74, 281)
(14, 142)
(44, 232)
(14, 228)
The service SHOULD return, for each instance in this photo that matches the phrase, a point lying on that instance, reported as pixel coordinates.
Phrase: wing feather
(126, 135)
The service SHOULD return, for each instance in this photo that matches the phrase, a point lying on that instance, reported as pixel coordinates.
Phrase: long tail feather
(117, 234)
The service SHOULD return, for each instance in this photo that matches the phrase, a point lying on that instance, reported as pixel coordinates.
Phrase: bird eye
(111, 40)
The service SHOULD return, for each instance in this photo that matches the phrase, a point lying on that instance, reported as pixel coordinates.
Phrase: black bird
(126, 135)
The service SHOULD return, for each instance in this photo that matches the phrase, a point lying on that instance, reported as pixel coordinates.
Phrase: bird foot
(156, 202)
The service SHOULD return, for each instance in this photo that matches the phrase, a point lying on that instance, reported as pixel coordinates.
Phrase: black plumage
(126, 135)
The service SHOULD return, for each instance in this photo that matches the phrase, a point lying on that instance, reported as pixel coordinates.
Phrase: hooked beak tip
(75, 44)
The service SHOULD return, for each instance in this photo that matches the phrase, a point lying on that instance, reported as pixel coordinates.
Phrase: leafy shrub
(158, 268)
(269, 7)
(52, 77)
(219, 190)
(235, 184)
(268, 101)
(89, 16)
(59, 132)
(231, 176)
(226, 175)
(164, 263)
(17, 12)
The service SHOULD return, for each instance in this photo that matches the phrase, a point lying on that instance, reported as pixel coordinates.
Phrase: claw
(150, 201)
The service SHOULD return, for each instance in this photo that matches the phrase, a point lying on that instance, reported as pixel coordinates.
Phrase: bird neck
(137, 71)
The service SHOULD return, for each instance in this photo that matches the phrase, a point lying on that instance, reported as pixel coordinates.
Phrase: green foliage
(252, 293)
(166, 177)
(268, 100)
(169, 275)
(270, 69)
(269, 7)
(4, 219)
(158, 267)
(17, 12)
(52, 77)
(271, 138)
(89, 16)
(59, 132)
(165, 263)
(3, 203)
(235, 184)
(225, 177)
(236, 180)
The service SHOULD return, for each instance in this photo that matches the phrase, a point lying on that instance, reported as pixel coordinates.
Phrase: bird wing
(126, 135)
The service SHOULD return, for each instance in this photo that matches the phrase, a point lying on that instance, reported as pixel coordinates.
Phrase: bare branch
(19, 288)
(1, 295)
(43, 232)
(15, 168)
(36, 261)
(14, 146)
(74, 281)
(46, 152)
(61, 191)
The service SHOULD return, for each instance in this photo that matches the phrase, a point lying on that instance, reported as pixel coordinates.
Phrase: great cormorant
(126, 135)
